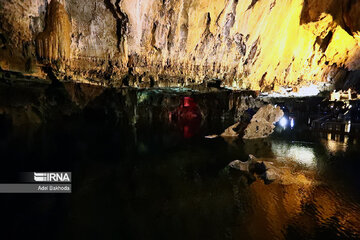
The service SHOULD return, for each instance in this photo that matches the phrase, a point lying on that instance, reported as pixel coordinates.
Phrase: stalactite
(54, 42)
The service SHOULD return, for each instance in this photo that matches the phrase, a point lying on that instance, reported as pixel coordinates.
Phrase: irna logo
(51, 177)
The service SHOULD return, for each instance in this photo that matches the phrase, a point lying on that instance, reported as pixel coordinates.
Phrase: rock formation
(263, 169)
(54, 42)
(259, 45)
(230, 132)
(262, 123)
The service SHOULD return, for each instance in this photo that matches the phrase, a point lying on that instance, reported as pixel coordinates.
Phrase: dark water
(150, 182)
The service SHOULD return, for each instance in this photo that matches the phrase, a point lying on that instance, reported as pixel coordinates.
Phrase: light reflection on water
(303, 203)
(334, 146)
(305, 207)
(298, 153)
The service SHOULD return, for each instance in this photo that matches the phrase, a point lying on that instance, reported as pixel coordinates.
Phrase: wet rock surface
(239, 165)
(230, 131)
(262, 123)
(263, 169)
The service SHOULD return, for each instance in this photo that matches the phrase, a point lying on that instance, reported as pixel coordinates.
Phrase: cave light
(283, 122)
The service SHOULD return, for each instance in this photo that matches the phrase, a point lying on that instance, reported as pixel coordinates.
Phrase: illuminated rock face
(250, 44)
(54, 42)
(262, 123)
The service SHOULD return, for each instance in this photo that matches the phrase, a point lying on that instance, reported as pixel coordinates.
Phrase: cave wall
(248, 44)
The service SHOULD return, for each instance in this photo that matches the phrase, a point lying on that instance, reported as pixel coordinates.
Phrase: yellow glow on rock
(282, 49)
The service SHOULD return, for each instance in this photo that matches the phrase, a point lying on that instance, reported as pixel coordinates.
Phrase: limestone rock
(230, 132)
(264, 169)
(211, 136)
(245, 44)
(54, 42)
(271, 175)
(248, 166)
(262, 123)
(252, 158)
(239, 165)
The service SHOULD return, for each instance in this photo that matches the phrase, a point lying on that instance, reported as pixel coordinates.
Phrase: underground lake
(154, 174)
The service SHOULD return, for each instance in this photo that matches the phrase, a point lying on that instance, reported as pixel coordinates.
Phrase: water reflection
(348, 127)
(301, 209)
(300, 203)
(335, 142)
(298, 153)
